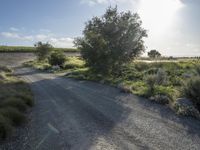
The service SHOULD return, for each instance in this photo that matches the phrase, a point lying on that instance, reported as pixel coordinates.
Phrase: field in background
(31, 49)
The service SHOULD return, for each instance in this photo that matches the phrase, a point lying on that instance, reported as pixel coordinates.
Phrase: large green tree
(111, 40)
(154, 54)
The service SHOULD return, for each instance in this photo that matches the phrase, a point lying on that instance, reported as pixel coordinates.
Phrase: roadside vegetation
(32, 49)
(110, 47)
(15, 99)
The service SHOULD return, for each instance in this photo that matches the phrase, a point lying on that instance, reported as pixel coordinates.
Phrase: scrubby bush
(161, 77)
(151, 71)
(28, 100)
(125, 88)
(74, 62)
(14, 115)
(43, 50)
(14, 102)
(151, 82)
(185, 107)
(5, 127)
(161, 99)
(192, 91)
(198, 69)
(57, 59)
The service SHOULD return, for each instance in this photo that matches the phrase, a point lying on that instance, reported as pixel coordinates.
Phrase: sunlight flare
(158, 15)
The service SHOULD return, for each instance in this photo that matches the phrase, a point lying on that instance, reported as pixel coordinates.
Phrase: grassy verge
(71, 64)
(15, 99)
(161, 82)
(31, 49)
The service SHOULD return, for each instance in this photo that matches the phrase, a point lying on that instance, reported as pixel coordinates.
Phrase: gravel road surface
(81, 115)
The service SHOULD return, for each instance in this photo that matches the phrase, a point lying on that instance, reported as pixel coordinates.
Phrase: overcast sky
(173, 25)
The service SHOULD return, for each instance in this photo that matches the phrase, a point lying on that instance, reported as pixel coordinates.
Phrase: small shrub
(198, 69)
(26, 98)
(164, 90)
(161, 99)
(13, 114)
(57, 59)
(151, 71)
(185, 107)
(141, 66)
(43, 50)
(192, 91)
(151, 81)
(5, 127)
(176, 81)
(161, 77)
(74, 62)
(14, 102)
(125, 88)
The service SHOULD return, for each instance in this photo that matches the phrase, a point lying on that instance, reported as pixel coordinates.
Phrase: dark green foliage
(27, 99)
(192, 91)
(14, 115)
(154, 54)
(43, 50)
(57, 58)
(14, 102)
(5, 127)
(111, 40)
(151, 82)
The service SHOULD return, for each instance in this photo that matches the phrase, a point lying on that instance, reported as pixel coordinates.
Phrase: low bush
(161, 77)
(185, 107)
(13, 115)
(5, 127)
(73, 62)
(192, 91)
(57, 59)
(162, 99)
(151, 82)
(28, 99)
(14, 102)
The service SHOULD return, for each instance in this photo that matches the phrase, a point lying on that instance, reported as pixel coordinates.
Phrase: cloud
(41, 37)
(94, 2)
(14, 29)
(62, 42)
(10, 35)
(51, 38)
(101, 2)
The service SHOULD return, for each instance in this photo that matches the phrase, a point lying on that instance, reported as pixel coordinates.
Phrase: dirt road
(82, 115)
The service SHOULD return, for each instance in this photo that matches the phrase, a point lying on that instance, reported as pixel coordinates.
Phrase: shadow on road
(74, 114)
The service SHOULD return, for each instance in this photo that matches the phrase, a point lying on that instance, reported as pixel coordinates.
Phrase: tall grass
(15, 99)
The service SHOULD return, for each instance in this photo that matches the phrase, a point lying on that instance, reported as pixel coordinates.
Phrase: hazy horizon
(173, 25)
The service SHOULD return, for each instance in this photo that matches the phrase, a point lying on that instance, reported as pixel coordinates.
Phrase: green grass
(166, 80)
(31, 49)
(133, 77)
(15, 99)
(71, 64)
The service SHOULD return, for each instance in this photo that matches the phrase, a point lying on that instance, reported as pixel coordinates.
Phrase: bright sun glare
(158, 15)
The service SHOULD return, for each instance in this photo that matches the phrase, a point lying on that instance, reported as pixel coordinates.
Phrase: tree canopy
(154, 54)
(111, 40)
